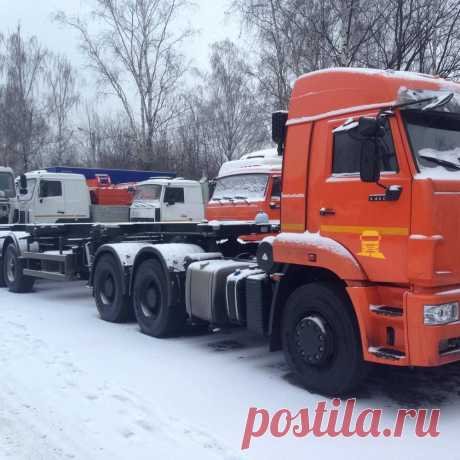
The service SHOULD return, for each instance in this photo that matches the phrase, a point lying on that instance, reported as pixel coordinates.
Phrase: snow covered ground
(73, 386)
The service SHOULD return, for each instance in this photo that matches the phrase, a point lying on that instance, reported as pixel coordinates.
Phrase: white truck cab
(51, 197)
(7, 193)
(168, 200)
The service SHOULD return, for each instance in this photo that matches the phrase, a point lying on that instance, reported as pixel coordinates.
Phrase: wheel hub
(108, 290)
(313, 340)
(11, 269)
(150, 300)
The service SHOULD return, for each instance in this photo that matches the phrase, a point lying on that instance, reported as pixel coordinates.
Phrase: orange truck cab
(368, 253)
(246, 187)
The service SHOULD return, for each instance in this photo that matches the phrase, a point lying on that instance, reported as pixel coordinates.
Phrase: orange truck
(246, 187)
(364, 270)
(369, 224)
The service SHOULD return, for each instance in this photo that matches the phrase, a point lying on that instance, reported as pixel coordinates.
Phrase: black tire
(321, 340)
(14, 279)
(2, 275)
(113, 306)
(155, 317)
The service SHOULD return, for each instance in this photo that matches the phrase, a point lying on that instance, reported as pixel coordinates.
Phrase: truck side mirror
(370, 161)
(23, 184)
(279, 120)
(369, 127)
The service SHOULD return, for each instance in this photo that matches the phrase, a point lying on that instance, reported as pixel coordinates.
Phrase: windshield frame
(261, 198)
(452, 115)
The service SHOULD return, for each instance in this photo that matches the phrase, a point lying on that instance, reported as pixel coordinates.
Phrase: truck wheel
(2, 275)
(153, 314)
(111, 303)
(12, 272)
(321, 340)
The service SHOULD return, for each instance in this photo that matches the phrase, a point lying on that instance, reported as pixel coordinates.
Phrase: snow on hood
(452, 156)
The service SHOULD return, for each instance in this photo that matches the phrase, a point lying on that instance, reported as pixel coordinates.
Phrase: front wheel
(321, 340)
(13, 276)
(154, 315)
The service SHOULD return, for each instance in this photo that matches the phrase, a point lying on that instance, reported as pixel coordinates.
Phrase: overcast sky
(208, 17)
(35, 16)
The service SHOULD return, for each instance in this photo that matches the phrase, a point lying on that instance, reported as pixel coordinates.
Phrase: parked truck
(364, 270)
(168, 200)
(7, 193)
(246, 187)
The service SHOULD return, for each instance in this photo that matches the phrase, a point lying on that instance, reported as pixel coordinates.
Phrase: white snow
(317, 241)
(349, 124)
(75, 387)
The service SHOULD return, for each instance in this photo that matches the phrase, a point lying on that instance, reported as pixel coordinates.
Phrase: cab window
(347, 151)
(174, 195)
(50, 188)
(276, 187)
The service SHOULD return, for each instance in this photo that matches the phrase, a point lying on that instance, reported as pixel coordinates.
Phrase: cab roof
(179, 182)
(332, 92)
(55, 176)
(263, 161)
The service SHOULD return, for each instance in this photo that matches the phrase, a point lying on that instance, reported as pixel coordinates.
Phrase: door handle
(327, 212)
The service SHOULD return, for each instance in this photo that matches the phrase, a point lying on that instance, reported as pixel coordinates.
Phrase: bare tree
(234, 122)
(22, 113)
(299, 36)
(63, 98)
(137, 47)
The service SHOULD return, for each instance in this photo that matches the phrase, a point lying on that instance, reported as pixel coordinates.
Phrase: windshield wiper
(439, 102)
(440, 162)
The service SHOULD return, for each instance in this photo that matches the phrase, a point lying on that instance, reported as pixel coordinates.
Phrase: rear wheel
(112, 304)
(154, 315)
(13, 276)
(321, 340)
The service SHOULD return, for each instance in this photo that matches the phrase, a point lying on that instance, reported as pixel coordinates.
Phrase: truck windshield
(435, 141)
(241, 186)
(148, 192)
(7, 185)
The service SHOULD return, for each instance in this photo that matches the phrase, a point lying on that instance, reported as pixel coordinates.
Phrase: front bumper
(430, 346)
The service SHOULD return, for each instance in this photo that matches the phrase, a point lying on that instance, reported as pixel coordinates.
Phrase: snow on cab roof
(262, 161)
(400, 74)
(338, 92)
(168, 181)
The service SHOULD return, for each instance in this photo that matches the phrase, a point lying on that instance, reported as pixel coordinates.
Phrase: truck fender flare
(172, 257)
(123, 254)
(19, 239)
(317, 251)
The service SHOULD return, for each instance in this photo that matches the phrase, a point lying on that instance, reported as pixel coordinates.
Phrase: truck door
(174, 208)
(50, 206)
(354, 213)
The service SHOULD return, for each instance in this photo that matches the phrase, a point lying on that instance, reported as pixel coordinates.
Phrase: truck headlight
(441, 314)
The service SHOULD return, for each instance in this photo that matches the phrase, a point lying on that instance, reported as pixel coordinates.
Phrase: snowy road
(72, 386)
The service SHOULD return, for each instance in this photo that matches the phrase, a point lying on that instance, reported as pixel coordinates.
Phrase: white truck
(44, 197)
(7, 193)
(168, 200)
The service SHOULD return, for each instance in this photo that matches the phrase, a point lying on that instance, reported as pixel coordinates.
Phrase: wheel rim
(313, 340)
(108, 290)
(11, 268)
(150, 301)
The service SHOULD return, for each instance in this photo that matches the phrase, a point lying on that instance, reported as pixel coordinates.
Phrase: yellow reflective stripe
(396, 231)
(293, 227)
